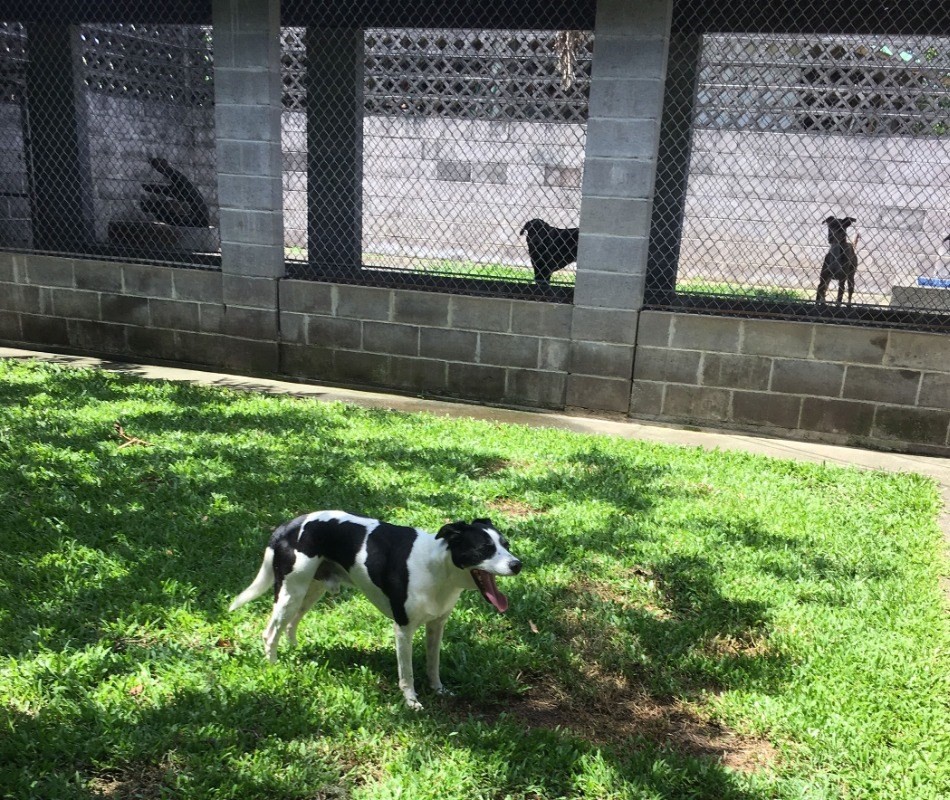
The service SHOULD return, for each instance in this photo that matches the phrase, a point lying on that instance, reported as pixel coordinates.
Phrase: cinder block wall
(887, 389)
(477, 348)
(139, 311)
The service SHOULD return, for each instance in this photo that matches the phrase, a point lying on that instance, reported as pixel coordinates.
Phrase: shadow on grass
(141, 532)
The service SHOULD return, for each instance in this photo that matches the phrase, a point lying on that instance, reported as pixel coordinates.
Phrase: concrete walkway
(935, 467)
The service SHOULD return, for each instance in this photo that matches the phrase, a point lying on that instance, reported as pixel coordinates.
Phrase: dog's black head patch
(477, 546)
(469, 543)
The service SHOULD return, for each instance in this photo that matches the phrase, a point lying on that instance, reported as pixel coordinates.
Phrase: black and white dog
(413, 577)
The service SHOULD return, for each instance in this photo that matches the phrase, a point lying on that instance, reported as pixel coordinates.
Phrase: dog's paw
(413, 703)
(442, 691)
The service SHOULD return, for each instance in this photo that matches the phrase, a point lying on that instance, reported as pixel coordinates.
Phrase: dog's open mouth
(485, 582)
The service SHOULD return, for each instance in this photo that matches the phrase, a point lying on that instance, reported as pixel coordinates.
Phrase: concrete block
(366, 369)
(476, 381)
(210, 317)
(293, 328)
(612, 326)
(152, 343)
(419, 375)
(421, 308)
(448, 345)
(8, 272)
(44, 330)
(49, 271)
(238, 157)
(794, 376)
(827, 415)
(10, 327)
(536, 389)
(654, 328)
(608, 290)
(629, 178)
(250, 86)
(197, 285)
(148, 280)
(250, 323)
(364, 302)
(174, 314)
(243, 258)
(646, 399)
(919, 425)
(334, 332)
(98, 276)
(698, 332)
(736, 371)
(760, 408)
(20, 297)
(541, 319)
(643, 55)
(554, 355)
(480, 313)
(622, 138)
(307, 297)
(251, 356)
(623, 254)
(75, 304)
(125, 309)
(620, 18)
(602, 360)
(935, 390)
(386, 337)
(242, 226)
(299, 361)
(697, 405)
(96, 337)
(246, 123)
(249, 292)
(896, 386)
(626, 98)
(927, 351)
(665, 365)
(616, 216)
(508, 351)
(851, 345)
(598, 394)
(251, 193)
(777, 338)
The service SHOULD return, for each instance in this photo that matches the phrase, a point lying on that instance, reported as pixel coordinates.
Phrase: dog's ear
(848, 221)
(483, 521)
(828, 220)
(450, 530)
(523, 229)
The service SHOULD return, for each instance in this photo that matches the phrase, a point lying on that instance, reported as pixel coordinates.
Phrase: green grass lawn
(689, 624)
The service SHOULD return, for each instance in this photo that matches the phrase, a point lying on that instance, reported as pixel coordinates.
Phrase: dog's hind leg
(315, 592)
(434, 631)
(404, 662)
(291, 596)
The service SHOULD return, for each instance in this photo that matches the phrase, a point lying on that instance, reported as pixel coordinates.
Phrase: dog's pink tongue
(486, 584)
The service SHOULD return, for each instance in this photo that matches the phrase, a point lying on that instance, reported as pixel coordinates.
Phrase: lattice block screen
(456, 139)
(789, 131)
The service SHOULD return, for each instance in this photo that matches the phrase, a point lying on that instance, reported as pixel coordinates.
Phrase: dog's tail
(263, 582)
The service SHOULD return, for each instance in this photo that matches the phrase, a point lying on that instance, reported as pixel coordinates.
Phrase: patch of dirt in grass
(513, 508)
(625, 713)
(141, 782)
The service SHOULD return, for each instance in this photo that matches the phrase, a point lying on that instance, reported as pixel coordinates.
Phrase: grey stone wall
(876, 387)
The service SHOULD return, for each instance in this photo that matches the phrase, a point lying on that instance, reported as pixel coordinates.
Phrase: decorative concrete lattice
(12, 61)
(496, 74)
(871, 85)
(168, 63)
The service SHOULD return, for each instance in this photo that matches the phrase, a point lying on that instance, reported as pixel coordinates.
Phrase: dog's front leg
(404, 661)
(434, 631)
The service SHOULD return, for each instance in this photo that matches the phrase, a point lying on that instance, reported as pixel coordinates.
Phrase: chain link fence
(456, 140)
(814, 179)
(107, 140)
(799, 175)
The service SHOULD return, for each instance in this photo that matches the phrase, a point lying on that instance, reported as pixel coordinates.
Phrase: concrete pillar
(247, 95)
(623, 130)
(57, 145)
(248, 105)
(334, 149)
